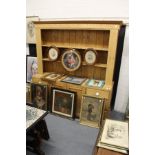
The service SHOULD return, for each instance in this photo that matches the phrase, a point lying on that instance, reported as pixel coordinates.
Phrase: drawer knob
(97, 93)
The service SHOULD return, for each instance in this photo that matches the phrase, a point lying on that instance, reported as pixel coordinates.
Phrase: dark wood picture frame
(39, 95)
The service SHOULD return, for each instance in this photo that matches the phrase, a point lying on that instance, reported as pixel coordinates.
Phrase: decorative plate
(71, 60)
(90, 56)
(53, 53)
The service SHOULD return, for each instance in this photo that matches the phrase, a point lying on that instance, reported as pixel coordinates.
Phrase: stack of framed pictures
(74, 80)
(62, 102)
(95, 83)
(114, 136)
(28, 93)
(91, 110)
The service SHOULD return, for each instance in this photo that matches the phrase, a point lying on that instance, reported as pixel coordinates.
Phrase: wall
(78, 9)
(94, 10)
(122, 95)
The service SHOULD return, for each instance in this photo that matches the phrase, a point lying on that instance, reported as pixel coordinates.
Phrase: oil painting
(91, 110)
(39, 95)
(63, 102)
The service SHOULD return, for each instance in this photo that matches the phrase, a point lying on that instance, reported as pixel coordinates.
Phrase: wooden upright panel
(111, 56)
(39, 51)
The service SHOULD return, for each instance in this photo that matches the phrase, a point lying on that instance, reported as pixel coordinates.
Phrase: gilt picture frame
(91, 111)
(63, 102)
(71, 60)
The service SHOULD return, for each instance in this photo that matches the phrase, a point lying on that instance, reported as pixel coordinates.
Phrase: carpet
(68, 137)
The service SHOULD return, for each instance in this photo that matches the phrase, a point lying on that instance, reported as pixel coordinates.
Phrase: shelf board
(96, 48)
(83, 63)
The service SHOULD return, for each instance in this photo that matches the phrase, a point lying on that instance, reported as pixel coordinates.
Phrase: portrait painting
(71, 60)
(63, 102)
(91, 110)
(74, 80)
(30, 29)
(31, 67)
(28, 93)
(39, 95)
(115, 133)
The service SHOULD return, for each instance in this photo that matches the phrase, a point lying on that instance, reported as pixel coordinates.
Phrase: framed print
(74, 80)
(53, 53)
(90, 56)
(28, 93)
(39, 95)
(91, 110)
(115, 133)
(63, 102)
(31, 67)
(71, 60)
(52, 76)
(30, 29)
(95, 83)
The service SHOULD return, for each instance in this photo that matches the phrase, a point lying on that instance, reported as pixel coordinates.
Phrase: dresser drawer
(97, 93)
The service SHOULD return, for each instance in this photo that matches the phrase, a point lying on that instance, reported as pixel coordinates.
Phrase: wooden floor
(102, 151)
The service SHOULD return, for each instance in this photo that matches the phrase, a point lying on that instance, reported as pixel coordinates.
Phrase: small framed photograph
(90, 56)
(91, 111)
(71, 60)
(39, 95)
(95, 83)
(53, 53)
(52, 76)
(74, 80)
(30, 29)
(28, 93)
(115, 133)
(63, 102)
(31, 67)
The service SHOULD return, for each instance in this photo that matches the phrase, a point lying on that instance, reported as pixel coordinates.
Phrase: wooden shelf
(97, 48)
(83, 63)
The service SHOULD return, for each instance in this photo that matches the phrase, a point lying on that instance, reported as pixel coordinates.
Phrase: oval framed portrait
(71, 60)
(90, 56)
(53, 53)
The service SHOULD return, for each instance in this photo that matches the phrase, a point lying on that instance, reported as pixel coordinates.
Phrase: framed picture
(71, 60)
(91, 110)
(52, 76)
(95, 83)
(115, 133)
(90, 56)
(63, 102)
(30, 29)
(31, 67)
(53, 53)
(28, 93)
(74, 80)
(39, 95)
